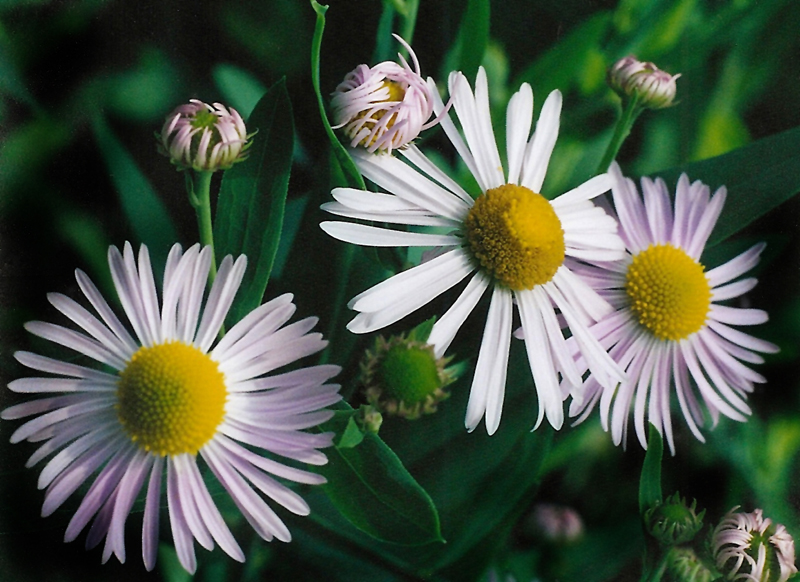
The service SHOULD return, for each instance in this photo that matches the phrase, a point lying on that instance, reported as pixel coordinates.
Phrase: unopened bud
(654, 88)
(204, 137)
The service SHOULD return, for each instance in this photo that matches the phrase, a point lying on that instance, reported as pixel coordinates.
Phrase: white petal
(453, 265)
(489, 382)
(519, 116)
(537, 156)
(590, 189)
(362, 234)
(445, 329)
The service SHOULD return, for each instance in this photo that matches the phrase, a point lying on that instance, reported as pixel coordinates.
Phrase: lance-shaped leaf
(372, 489)
(252, 197)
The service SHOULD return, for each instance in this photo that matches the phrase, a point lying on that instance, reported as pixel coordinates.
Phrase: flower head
(684, 564)
(748, 546)
(169, 395)
(511, 239)
(654, 88)
(204, 137)
(384, 107)
(669, 322)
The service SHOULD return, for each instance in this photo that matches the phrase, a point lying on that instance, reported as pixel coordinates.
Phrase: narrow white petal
(455, 80)
(537, 345)
(421, 161)
(537, 156)
(362, 234)
(706, 224)
(417, 217)
(439, 273)
(489, 382)
(519, 116)
(445, 329)
(742, 339)
(405, 182)
(106, 314)
(592, 188)
(220, 300)
(128, 488)
(75, 341)
(178, 522)
(658, 209)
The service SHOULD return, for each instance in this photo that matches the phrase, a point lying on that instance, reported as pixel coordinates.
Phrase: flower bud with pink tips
(204, 137)
(384, 107)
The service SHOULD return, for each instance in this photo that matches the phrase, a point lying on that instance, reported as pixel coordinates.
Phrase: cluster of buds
(748, 546)
(384, 107)
(204, 137)
(654, 88)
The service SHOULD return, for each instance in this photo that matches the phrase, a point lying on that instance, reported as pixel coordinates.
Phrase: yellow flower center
(669, 292)
(396, 94)
(171, 398)
(516, 236)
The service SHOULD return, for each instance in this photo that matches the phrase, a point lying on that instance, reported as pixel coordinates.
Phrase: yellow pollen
(396, 94)
(669, 292)
(516, 236)
(171, 398)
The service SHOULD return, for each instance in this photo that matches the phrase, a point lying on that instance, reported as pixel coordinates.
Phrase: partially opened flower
(671, 328)
(155, 402)
(750, 547)
(204, 137)
(511, 239)
(383, 107)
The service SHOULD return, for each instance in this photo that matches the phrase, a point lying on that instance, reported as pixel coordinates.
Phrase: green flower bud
(403, 377)
(671, 522)
(684, 565)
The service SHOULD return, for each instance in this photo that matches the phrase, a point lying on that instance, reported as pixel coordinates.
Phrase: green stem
(409, 20)
(200, 197)
(621, 132)
(655, 573)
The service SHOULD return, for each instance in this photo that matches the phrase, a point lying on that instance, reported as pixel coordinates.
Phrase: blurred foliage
(84, 84)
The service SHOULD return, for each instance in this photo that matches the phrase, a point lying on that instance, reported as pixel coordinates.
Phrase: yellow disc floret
(171, 398)
(669, 292)
(396, 94)
(516, 236)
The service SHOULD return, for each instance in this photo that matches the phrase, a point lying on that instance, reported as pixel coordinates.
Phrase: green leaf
(650, 481)
(352, 175)
(252, 197)
(352, 435)
(759, 177)
(145, 212)
(372, 489)
(472, 40)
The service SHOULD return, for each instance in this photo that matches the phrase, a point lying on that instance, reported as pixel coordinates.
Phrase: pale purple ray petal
(225, 286)
(151, 515)
(101, 306)
(75, 341)
(181, 533)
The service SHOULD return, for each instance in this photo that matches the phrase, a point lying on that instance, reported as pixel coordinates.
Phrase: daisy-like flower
(748, 546)
(204, 137)
(510, 239)
(670, 324)
(171, 393)
(384, 107)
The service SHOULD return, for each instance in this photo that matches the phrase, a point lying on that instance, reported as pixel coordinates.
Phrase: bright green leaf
(473, 37)
(253, 196)
(650, 481)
